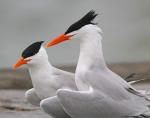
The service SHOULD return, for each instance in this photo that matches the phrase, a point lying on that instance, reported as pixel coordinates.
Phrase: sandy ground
(16, 114)
(14, 105)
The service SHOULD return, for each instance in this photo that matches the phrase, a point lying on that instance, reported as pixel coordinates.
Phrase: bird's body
(102, 93)
(46, 80)
(94, 104)
(91, 64)
(109, 97)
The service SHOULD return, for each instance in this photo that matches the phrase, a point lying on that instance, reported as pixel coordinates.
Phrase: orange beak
(57, 40)
(20, 62)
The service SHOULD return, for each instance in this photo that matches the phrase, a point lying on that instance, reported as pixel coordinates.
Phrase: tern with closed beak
(102, 93)
(46, 80)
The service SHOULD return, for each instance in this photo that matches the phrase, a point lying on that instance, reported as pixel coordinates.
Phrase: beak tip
(19, 63)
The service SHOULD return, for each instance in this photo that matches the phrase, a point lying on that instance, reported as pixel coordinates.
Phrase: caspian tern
(102, 93)
(46, 80)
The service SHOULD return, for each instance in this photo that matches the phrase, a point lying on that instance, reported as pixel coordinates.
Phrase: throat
(40, 71)
(40, 65)
(91, 54)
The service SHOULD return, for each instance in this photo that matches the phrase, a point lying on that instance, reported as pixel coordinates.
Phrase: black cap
(85, 20)
(32, 49)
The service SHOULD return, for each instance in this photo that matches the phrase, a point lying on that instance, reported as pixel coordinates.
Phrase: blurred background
(125, 23)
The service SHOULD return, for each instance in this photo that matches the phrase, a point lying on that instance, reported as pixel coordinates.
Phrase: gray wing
(52, 107)
(142, 88)
(132, 87)
(88, 104)
(76, 103)
(143, 84)
(66, 79)
(32, 97)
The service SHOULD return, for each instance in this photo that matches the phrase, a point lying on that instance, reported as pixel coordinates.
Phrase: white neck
(40, 68)
(40, 74)
(43, 64)
(91, 54)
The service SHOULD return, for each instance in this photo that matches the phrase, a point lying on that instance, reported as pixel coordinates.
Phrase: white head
(79, 29)
(32, 55)
(85, 31)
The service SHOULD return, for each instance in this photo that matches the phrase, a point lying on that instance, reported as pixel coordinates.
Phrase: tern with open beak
(46, 80)
(102, 93)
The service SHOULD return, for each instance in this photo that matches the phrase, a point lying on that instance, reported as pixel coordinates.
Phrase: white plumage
(46, 80)
(103, 94)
